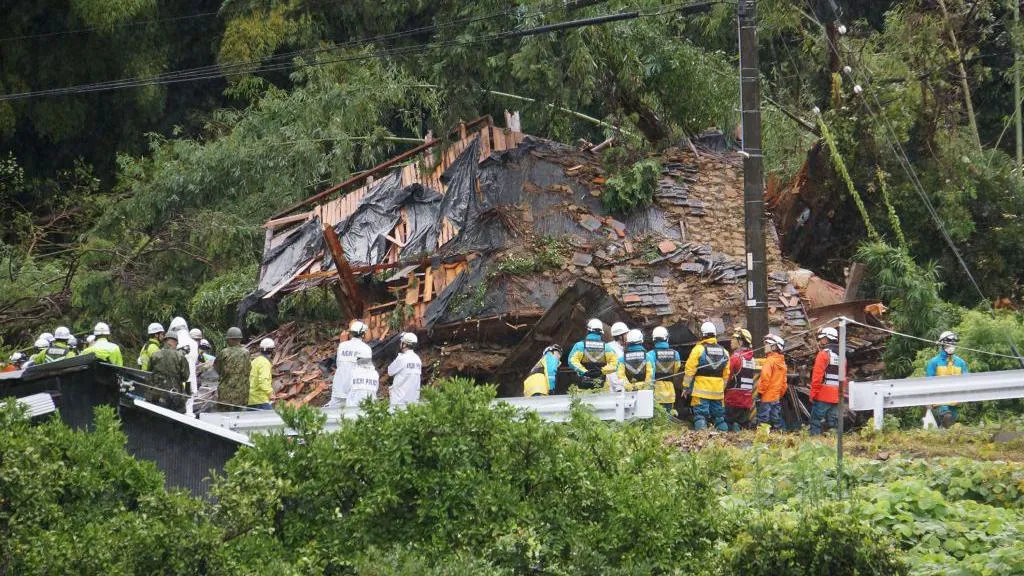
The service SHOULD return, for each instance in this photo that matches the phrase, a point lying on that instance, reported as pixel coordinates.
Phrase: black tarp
(282, 261)
(423, 218)
(460, 200)
(362, 233)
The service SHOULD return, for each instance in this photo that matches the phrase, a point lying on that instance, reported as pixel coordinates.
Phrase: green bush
(632, 188)
(454, 476)
(822, 540)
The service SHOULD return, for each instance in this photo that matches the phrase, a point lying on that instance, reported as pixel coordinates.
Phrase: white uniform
(347, 351)
(364, 384)
(405, 373)
(613, 378)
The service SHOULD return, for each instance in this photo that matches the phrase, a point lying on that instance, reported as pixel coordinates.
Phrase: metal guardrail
(935, 391)
(606, 406)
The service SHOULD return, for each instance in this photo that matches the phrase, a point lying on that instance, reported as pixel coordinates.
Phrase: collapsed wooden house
(492, 244)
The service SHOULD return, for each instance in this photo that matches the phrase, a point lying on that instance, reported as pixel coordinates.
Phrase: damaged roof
(478, 240)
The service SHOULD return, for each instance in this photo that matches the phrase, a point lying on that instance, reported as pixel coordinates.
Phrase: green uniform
(105, 351)
(148, 350)
(170, 371)
(57, 351)
(232, 365)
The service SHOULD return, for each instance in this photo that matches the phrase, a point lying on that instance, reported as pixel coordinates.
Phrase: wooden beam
(349, 299)
(359, 178)
(277, 223)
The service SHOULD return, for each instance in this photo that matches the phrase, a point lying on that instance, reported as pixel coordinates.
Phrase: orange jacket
(820, 390)
(772, 384)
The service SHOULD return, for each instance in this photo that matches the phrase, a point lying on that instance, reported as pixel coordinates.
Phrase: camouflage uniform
(232, 365)
(170, 370)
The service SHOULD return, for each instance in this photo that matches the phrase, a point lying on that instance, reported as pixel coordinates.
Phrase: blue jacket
(652, 357)
(550, 365)
(943, 364)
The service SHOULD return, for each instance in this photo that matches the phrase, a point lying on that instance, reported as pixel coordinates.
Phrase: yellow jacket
(664, 388)
(260, 379)
(705, 385)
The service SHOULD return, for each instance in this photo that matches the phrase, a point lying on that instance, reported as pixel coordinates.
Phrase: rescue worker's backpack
(713, 361)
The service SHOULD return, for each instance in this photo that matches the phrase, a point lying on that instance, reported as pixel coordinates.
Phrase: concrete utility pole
(753, 175)
(1016, 90)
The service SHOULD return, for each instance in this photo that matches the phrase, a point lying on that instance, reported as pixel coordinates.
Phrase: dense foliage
(450, 486)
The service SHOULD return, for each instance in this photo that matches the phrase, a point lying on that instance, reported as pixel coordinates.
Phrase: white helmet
(659, 333)
(776, 341)
(828, 333)
(634, 336)
(196, 334)
(90, 338)
(47, 336)
(265, 344)
(178, 324)
(72, 341)
(17, 357)
(155, 328)
(357, 328)
(61, 333)
(708, 329)
(204, 344)
(101, 329)
(618, 329)
(596, 326)
(409, 339)
(42, 343)
(949, 337)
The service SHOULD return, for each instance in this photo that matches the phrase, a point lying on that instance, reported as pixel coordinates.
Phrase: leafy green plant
(632, 187)
(822, 540)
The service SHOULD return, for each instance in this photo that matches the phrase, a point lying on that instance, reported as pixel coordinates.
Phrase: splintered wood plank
(428, 285)
(412, 291)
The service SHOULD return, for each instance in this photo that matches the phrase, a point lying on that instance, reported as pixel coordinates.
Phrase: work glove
(594, 373)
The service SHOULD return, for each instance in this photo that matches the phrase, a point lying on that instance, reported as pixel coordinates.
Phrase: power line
(237, 67)
(246, 67)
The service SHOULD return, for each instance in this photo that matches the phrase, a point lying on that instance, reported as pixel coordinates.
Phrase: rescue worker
(105, 350)
(618, 344)
(169, 379)
(191, 350)
(364, 380)
(14, 362)
(593, 360)
(825, 382)
(261, 379)
(155, 331)
(205, 350)
(348, 355)
(544, 376)
(405, 372)
(48, 336)
(739, 391)
(636, 364)
(233, 366)
(771, 384)
(946, 363)
(73, 344)
(666, 364)
(707, 369)
(57, 349)
(41, 345)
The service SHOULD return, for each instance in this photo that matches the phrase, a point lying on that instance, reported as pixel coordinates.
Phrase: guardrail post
(620, 407)
(879, 409)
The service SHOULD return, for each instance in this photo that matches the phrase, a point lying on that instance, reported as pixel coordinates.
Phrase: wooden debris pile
(299, 378)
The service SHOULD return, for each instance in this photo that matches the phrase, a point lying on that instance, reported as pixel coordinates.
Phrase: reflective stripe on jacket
(638, 368)
(825, 376)
(706, 385)
(666, 364)
(740, 390)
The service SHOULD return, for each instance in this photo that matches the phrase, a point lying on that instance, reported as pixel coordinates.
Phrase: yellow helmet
(743, 335)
